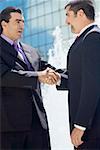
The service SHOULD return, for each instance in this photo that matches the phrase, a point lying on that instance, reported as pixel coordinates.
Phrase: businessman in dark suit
(83, 76)
(23, 120)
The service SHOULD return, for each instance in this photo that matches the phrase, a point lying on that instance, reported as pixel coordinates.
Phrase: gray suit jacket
(20, 88)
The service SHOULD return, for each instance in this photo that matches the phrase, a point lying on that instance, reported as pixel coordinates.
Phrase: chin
(73, 31)
(19, 37)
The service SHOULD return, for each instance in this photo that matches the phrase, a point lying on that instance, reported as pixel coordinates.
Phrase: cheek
(13, 33)
(12, 29)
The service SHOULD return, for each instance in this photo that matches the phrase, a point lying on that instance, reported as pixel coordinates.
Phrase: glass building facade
(41, 18)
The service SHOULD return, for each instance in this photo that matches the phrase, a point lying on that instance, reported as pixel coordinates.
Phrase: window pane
(48, 21)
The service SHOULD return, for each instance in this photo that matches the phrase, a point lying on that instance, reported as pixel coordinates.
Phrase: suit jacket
(84, 82)
(20, 89)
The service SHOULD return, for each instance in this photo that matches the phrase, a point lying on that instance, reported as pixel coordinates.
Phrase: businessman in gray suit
(23, 120)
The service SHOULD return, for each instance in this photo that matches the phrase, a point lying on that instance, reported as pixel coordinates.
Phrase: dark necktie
(19, 49)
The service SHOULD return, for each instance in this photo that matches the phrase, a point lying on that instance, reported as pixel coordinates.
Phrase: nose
(22, 25)
(67, 21)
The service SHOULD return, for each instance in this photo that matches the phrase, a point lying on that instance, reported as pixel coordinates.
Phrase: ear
(3, 23)
(80, 13)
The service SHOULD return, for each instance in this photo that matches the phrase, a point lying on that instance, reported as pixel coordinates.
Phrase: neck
(86, 23)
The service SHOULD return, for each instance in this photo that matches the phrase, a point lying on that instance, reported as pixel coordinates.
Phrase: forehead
(68, 11)
(16, 15)
(67, 8)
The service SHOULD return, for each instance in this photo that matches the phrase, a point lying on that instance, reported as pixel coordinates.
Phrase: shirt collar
(91, 24)
(9, 40)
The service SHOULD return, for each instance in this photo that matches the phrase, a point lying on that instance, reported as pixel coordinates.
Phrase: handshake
(49, 76)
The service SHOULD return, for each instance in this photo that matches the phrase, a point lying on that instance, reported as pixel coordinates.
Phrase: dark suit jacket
(84, 82)
(20, 89)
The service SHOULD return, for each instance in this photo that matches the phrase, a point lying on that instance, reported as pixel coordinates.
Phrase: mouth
(20, 32)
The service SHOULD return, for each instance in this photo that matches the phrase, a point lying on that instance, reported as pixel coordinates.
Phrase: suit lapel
(78, 41)
(9, 51)
(32, 56)
(80, 38)
(7, 48)
(27, 53)
(22, 62)
(11, 55)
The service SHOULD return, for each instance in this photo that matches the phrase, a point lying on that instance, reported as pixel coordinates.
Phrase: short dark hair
(5, 15)
(86, 5)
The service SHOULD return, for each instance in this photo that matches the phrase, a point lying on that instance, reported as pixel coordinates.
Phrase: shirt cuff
(79, 127)
(58, 82)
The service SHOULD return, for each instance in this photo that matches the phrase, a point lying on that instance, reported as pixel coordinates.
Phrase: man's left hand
(76, 136)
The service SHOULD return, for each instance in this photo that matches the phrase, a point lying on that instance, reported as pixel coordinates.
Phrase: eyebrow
(20, 20)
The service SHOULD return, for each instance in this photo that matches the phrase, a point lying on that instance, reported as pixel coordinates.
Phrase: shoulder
(26, 46)
(91, 43)
(93, 33)
(29, 49)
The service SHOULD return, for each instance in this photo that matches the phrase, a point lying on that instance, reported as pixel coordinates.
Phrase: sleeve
(79, 127)
(44, 64)
(64, 79)
(90, 86)
(14, 78)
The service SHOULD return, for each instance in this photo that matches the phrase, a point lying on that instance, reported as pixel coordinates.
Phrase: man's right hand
(48, 76)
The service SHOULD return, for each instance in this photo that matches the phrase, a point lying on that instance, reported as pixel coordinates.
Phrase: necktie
(19, 49)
